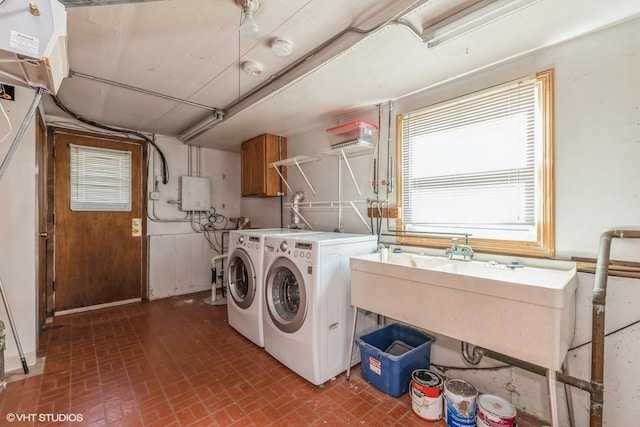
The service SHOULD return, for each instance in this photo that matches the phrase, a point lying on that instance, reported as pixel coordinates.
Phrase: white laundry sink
(526, 312)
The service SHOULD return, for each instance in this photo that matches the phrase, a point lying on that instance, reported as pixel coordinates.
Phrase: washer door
(286, 295)
(242, 279)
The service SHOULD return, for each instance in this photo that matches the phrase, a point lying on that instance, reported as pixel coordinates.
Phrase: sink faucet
(463, 251)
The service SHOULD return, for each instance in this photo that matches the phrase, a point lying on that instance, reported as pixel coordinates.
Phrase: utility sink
(526, 310)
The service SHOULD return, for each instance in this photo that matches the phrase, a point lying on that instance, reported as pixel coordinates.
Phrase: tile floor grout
(176, 362)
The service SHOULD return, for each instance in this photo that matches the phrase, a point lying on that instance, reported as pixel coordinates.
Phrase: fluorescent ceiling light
(201, 126)
(79, 3)
(471, 18)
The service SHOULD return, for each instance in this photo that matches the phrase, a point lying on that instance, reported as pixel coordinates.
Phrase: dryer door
(286, 295)
(242, 279)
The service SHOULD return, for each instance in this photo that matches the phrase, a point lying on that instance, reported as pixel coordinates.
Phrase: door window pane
(100, 179)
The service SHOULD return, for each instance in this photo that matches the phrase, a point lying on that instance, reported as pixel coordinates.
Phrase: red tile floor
(176, 362)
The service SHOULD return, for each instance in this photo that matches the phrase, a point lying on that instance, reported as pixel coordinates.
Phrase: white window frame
(540, 241)
(100, 179)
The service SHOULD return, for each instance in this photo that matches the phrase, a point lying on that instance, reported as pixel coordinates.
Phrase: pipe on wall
(597, 323)
(595, 387)
(296, 220)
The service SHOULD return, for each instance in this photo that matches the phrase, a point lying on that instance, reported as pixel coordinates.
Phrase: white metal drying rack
(297, 161)
(342, 151)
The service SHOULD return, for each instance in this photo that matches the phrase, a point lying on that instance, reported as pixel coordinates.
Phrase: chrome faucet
(463, 251)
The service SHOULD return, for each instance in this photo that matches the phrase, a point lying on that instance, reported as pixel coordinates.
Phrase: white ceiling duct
(84, 3)
(33, 44)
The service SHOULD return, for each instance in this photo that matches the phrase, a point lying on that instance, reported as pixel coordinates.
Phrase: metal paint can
(460, 403)
(426, 394)
(494, 411)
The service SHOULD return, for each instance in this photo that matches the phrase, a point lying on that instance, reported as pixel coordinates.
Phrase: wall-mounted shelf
(345, 150)
(339, 204)
(342, 151)
(294, 161)
(356, 147)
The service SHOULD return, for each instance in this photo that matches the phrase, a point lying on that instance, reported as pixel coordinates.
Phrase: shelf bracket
(297, 211)
(353, 178)
(360, 216)
(297, 161)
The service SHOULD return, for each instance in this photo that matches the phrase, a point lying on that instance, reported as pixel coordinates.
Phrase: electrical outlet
(154, 195)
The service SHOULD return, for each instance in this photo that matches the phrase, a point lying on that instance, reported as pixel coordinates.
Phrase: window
(481, 165)
(100, 179)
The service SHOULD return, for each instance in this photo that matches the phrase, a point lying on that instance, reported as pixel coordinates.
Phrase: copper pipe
(597, 323)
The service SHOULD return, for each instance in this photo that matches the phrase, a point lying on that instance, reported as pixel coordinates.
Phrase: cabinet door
(275, 148)
(258, 178)
(259, 167)
(246, 169)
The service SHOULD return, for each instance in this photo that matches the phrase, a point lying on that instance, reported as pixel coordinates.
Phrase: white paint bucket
(494, 411)
(460, 403)
(426, 394)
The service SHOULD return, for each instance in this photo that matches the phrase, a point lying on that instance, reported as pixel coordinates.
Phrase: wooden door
(45, 254)
(99, 255)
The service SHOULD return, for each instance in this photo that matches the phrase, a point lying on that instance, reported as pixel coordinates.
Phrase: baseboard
(96, 307)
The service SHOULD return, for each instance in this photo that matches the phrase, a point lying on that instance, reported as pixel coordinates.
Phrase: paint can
(460, 403)
(426, 394)
(494, 411)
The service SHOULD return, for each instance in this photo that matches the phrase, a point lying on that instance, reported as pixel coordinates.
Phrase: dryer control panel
(249, 242)
(302, 250)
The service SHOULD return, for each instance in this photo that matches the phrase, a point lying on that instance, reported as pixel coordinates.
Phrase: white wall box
(195, 194)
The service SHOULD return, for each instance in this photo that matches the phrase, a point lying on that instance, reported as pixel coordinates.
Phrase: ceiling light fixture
(471, 18)
(201, 126)
(248, 27)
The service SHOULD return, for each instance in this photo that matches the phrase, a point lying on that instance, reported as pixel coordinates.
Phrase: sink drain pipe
(595, 387)
(597, 323)
(475, 356)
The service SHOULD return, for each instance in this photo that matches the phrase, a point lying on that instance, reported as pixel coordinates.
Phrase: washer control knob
(284, 246)
(240, 240)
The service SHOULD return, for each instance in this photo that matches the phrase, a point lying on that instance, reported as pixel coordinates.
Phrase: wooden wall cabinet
(258, 179)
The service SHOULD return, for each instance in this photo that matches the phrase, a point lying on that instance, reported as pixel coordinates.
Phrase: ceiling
(124, 54)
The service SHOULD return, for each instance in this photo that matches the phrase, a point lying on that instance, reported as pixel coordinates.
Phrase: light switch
(136, 227)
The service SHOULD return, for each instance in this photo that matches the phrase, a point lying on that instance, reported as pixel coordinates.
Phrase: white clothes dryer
(307, 320)
(245, 279)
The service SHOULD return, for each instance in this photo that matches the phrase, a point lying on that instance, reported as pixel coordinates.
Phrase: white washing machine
(245, 279)
(307, 313)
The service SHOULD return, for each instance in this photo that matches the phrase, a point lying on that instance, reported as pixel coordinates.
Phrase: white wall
(179, 257)
(18, 228)
(597, 154)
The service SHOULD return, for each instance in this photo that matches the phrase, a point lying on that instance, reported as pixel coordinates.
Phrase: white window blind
(100, 179)
(470, 165)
